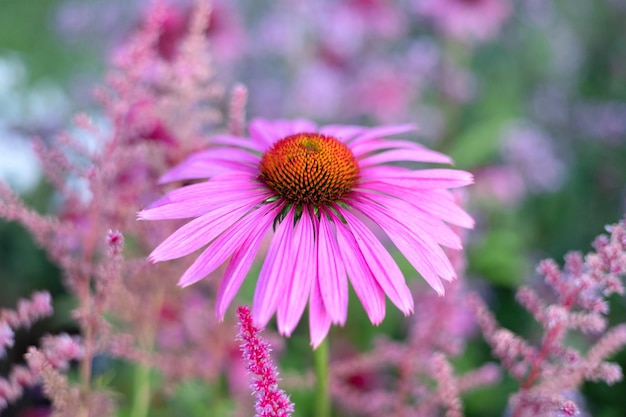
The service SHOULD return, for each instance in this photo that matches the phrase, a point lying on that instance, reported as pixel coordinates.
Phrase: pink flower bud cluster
(59, 350)
(115, 242)
(27, 312)
(56, 352)
(271, 401)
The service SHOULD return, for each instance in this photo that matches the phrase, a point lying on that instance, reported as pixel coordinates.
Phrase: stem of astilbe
(271, 401)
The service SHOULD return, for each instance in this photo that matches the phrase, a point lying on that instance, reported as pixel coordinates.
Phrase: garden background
(531, 100)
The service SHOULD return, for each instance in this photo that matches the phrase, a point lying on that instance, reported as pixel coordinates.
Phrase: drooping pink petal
(237, 141)
(421, 222)
(304, 253)
(240, 263)
(424, 254)
(380, 262)
(423, 178)
(441, 203)
(224, 245)
(276, 270)
(331, 273)
(272, 131)
(202, 230)
(425, 154)
(375, 145)
(319, 320)
(411, 155)
(436, 202)
(342, 132)
(261, 131)
(365, 285)
(217, 183)
(201, 200)
(234, 160)
(380, 132)
(284, 128)
(226, 154)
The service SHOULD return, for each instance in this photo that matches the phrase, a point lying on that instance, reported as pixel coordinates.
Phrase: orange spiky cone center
(309, 168)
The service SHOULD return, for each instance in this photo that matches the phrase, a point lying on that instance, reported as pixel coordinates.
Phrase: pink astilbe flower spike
(314, 187)
(271, 401)
(547, 372)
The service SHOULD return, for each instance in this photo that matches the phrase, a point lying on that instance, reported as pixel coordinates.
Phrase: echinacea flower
(325, 193)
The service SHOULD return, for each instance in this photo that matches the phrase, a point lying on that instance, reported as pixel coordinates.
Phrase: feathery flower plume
(321, 190)
(271, 401)
(57, 351)
(545, 373)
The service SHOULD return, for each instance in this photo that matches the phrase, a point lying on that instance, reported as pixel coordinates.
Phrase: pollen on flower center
(309, 168)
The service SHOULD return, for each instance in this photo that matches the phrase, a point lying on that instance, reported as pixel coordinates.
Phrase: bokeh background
(531, 99)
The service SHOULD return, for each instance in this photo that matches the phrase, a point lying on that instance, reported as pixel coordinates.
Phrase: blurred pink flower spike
(314, 187)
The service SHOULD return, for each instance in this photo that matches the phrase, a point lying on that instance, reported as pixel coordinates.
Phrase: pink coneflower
(466, 19)
(319, 190)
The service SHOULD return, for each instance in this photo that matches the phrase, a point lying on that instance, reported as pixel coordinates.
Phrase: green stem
(143, 389)
(322, 394)
(141, 399)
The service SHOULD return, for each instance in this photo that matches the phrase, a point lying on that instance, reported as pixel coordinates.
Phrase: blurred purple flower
(531, 152)
(501, 183)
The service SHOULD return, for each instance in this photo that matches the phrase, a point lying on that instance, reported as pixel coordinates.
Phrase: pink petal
(365, 285)
(382, 131)
(224, 245)
(269, 132)
(319, 320)
(304, 253)
(331, 273)
(262, 132)
(237, 141)
(412, 155)
(424, 154)
(200, 199)
(225, 154)
(421, 222)
(438, 203)
(382, 265)
(374, 145)
(423, 178)
(201, 231)
(240, 263)
(290, 127)
(341, 132)
(425, 256)
(223, 181)
(211, 162)
(275, 273)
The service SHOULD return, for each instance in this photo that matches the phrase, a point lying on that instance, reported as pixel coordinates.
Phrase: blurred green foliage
(27, 27)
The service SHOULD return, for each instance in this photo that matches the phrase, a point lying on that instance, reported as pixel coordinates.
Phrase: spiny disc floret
(309, 168)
